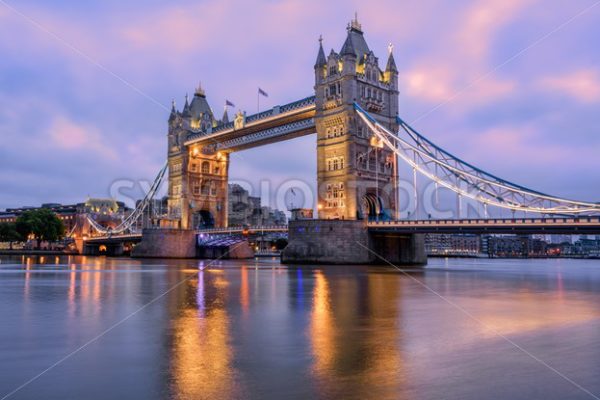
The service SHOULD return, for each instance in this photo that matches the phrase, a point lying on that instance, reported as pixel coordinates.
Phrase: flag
(228, 103)
(260, 91)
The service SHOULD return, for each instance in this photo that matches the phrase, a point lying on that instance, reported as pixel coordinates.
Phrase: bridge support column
(166, 243)
(349, 242)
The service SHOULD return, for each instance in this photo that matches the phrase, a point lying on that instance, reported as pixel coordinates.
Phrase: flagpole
(257, 101)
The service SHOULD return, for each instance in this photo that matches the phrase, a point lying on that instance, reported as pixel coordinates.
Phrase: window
(332, 70)
(332, 90)
(335, 195)
(205, 188)
(194, 167)
(335, 163)
(205, 167)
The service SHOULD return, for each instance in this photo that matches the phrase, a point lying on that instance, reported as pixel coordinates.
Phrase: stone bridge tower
(357, 176)
(197, 174)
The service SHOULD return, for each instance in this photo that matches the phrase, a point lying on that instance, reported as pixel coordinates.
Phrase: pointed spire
(225, 118)
(321, 61)
(355, 42)
(173, 111)
(354, 24)
(186, 107)
(391, 63)
(199, 91)
(348, 47)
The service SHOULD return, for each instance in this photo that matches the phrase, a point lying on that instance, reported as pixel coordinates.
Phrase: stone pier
(349, 242)
(166, 243)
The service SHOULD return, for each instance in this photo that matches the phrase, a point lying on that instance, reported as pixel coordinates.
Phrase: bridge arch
(372, 206)
(203, 219)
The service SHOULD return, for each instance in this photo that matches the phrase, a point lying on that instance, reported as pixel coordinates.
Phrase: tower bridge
(360, 139)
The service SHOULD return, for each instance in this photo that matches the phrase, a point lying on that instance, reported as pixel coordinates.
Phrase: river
(117, 328)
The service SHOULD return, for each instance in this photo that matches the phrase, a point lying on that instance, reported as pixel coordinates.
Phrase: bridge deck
(576, 226)
(273, 125)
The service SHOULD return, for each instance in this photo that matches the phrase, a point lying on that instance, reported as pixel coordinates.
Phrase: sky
(512, 86)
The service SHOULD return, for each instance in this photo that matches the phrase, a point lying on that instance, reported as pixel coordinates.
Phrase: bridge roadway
(525, 226)
(128, 237)
(276, 124)
(571, 226)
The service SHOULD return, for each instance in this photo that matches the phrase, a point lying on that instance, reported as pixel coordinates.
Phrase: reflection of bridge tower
(197, 174)
(356, 175)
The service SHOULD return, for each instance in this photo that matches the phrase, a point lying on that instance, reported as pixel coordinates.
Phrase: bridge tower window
(205, 167)
(205, 188)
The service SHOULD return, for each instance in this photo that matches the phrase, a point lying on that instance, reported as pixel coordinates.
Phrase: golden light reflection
(244, 290)
(535, 311)
(322, 331)
(27, 277)
(355, 336)
(72, 288)
(202, 355)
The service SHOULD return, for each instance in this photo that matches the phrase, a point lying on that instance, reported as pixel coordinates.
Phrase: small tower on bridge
(357, 176)
(197, 174)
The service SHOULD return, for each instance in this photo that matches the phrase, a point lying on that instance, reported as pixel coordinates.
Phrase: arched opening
(372, 207)
(102, 248)
(203, 219)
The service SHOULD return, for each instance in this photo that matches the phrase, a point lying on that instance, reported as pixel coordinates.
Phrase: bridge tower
(197, 174)
(357, 176)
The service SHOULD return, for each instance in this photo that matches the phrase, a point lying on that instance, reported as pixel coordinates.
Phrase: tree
(8, 233)
(42, 223)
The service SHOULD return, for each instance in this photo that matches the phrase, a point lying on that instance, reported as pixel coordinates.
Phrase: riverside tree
(42, 224)
(8, 233)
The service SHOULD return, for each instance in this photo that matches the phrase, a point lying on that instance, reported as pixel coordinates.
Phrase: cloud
(481, 23)
(69, 135)
(66, 111)
(436, 84)
(582, 85)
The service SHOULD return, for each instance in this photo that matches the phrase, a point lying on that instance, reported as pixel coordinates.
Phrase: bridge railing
(489, 221)
(266, 228)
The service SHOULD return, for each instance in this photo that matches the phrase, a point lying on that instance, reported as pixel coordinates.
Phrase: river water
(116, 328)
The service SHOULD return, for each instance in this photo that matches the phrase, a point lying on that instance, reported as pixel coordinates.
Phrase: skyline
(70, 101)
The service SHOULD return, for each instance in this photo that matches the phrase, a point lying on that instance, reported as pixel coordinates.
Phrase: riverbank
(21, 252)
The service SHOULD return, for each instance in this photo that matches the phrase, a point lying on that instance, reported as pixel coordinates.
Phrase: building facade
(356, 175)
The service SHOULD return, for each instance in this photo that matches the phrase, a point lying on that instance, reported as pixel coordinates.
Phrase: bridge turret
(321, 63)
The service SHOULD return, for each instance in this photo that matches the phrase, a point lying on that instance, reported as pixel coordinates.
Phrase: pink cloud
(456, 70)
(524, 143)
(582, 85)
(69, 135)
(481, 23)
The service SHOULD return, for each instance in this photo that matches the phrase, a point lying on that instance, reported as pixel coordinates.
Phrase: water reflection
(355, 336)
(260, 330)
(201, 350)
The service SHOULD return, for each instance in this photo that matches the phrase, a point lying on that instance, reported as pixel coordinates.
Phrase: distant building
(520, 246)
(66, 213)
(559, 239)
(107, 212)
(464, 245)
(301, 213)
(247, 210)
